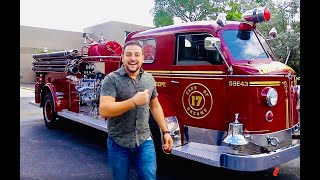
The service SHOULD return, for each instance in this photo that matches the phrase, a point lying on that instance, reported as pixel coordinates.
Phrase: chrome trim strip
(184, 72)
(197, 72)
(191, 75)
(159, 73)
(202, 75)
(207, 73)
(188, 77)
(256, 75)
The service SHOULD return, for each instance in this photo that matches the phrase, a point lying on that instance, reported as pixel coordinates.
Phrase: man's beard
(130, 70)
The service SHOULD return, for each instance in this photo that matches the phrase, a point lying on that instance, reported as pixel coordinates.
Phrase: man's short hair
(131, 43)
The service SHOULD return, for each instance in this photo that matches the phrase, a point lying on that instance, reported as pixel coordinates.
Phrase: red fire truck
(228, 101)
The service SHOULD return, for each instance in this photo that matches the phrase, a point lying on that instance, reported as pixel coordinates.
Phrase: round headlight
(272, 97)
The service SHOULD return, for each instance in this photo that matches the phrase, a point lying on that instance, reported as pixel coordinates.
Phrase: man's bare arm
(109, 108)
(157, 113)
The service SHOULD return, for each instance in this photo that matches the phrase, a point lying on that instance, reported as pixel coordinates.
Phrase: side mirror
(273, 33)
(221, 19)
(212, 43)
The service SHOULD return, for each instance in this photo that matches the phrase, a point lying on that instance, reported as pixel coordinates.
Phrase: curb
(32, 89)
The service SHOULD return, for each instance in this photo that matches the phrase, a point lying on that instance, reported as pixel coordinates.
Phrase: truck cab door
(199, 80)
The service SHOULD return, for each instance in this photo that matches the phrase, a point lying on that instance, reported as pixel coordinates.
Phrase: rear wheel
(49, 115)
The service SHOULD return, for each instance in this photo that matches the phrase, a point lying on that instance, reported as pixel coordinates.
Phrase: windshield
(265, 44)
(243, 45)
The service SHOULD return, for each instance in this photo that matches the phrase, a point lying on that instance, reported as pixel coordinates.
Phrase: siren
(257, 15)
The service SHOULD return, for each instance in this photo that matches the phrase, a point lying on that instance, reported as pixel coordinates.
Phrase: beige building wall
(33, 40)
(113, 31)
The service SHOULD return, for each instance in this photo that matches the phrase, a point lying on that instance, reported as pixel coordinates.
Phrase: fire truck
(228, 101)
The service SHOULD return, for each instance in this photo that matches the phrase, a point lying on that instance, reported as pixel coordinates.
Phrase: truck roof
(194, 26)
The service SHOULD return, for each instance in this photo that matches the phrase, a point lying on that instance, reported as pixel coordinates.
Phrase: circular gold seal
(197, 100)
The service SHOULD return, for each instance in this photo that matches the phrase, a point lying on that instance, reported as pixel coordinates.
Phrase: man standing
(126, 97)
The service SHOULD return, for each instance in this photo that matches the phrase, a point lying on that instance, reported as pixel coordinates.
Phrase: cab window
(149, 50)
(191, 51)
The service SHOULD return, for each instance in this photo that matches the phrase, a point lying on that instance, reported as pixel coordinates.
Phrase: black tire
(49, 115)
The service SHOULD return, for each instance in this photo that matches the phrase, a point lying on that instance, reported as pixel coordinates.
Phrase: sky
(75, 15)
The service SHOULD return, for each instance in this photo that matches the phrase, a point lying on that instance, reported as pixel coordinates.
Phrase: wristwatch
(165, 132)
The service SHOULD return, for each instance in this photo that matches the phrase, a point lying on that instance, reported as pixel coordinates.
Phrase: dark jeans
(143, 157)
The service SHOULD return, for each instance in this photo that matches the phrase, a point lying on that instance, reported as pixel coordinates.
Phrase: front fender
(48, 87)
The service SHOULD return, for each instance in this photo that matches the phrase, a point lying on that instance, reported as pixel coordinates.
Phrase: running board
(100, 123)
(203, 153)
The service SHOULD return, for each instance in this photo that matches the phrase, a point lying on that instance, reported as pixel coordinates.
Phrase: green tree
(234, 13)
(186, 10)
(283, 15)
(284, 18)
(162, 18)
(195, 10)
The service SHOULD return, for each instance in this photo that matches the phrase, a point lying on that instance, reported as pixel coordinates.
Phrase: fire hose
(57, 55)
(68, 69)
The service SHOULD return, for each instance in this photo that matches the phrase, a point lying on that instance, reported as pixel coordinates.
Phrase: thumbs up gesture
(141, 98)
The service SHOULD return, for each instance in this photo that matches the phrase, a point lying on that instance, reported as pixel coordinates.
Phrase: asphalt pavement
(75, 151)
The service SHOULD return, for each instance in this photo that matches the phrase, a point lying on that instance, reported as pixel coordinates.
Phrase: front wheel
(49, 115)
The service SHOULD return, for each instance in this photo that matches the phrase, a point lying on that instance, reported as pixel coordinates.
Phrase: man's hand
(167, 142)
(141, 98)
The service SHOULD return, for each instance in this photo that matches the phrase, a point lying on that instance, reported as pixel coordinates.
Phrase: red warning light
(257, 15)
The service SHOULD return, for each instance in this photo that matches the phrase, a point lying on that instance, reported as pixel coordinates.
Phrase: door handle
(175, 82)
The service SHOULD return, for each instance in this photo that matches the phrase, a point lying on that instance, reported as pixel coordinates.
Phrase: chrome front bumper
(260, 162)
(224, 157)
(207, 151)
